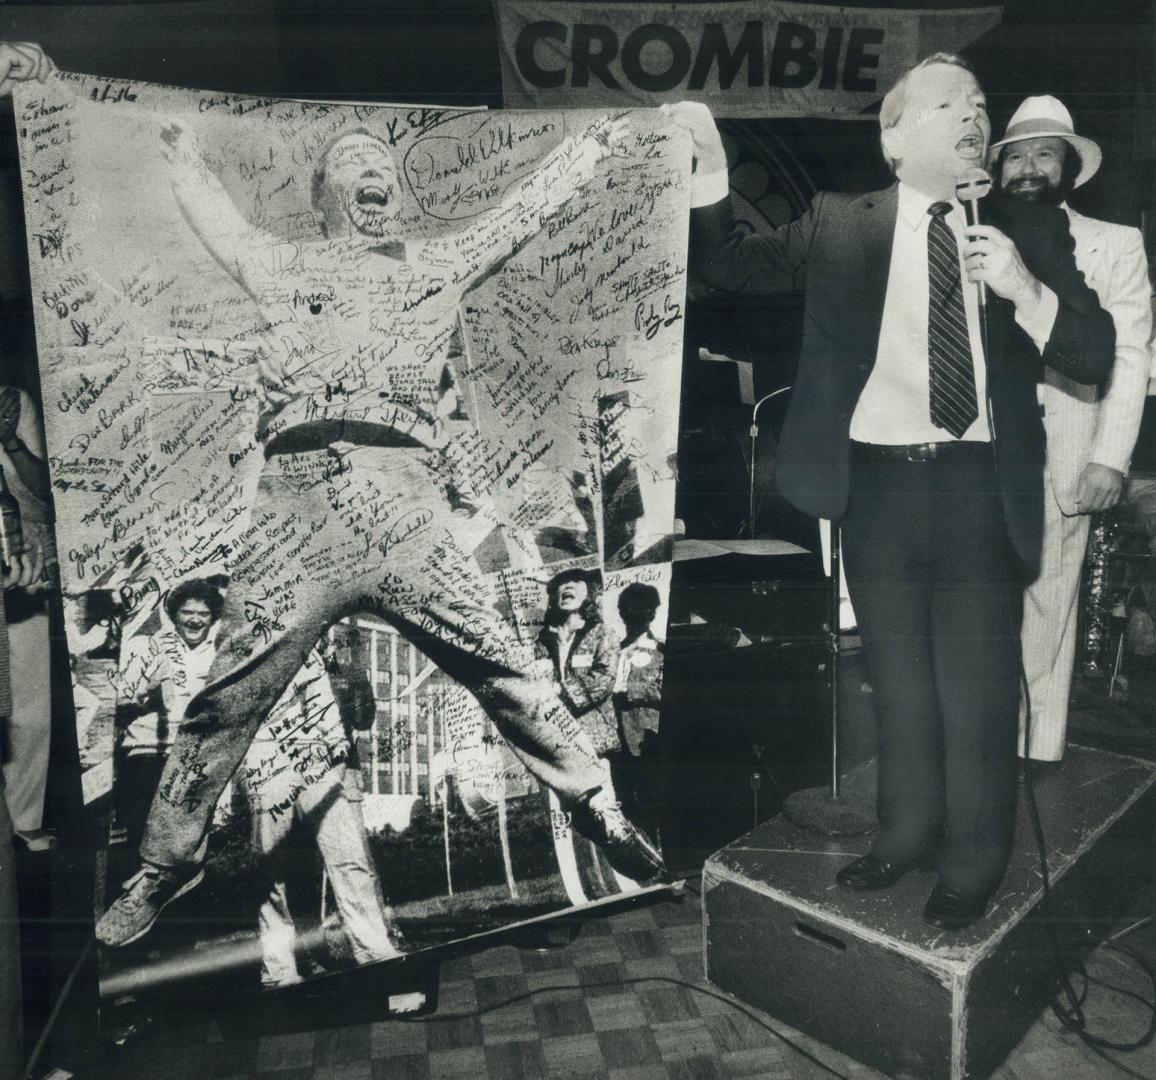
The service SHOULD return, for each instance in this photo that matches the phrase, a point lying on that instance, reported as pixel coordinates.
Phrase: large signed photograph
(361, 424)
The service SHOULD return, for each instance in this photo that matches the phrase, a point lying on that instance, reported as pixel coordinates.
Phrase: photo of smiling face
(943, 129)
(193, 621)
(1032, 169)
(358, 192)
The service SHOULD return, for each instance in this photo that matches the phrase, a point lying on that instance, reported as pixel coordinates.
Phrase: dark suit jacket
(840, 252)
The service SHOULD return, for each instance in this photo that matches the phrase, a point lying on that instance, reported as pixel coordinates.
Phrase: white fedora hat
(1044, 116)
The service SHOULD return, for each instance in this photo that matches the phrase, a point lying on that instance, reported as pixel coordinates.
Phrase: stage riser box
(862, 973)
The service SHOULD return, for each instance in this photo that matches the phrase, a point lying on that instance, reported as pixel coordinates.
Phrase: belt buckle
(922, 452)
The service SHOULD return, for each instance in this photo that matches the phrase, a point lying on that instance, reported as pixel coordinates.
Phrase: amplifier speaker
(746, 697)
(741, 728)
(774, 598)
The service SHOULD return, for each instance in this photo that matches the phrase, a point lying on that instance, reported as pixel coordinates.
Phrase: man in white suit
(1091, 430)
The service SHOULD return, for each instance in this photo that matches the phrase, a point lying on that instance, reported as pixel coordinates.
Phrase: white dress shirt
(894, 407)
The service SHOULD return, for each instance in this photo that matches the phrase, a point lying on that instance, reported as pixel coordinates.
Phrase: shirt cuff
(708, 189)
(1037, 320)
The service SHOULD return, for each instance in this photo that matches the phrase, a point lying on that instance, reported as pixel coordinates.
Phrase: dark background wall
(1099, 58)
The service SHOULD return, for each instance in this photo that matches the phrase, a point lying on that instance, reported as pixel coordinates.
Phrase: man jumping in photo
(355, 507)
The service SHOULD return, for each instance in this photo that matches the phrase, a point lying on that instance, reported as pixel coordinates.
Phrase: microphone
(971, 186)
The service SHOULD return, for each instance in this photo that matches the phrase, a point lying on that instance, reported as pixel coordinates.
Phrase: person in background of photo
(297, 773)
(577, 651)
(16, 575)
(583, 656)
(1091, 430)
(159, 674)
(637, 697)
(26, 736)
(19, 61)
(296, 770)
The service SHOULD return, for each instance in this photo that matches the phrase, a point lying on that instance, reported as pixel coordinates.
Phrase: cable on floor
(437, 1018)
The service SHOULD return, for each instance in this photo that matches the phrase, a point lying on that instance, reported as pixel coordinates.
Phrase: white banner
(302, 362)
(742, 59)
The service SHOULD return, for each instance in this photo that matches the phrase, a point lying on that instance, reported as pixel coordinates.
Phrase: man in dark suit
(926, 443)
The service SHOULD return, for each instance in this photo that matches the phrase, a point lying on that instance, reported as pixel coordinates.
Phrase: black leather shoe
(951, 909)
(868, 872)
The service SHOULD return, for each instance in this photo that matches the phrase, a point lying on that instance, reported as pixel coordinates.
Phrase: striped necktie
(951, 375)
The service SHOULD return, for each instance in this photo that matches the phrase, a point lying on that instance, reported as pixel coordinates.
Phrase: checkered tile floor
(584, 1019)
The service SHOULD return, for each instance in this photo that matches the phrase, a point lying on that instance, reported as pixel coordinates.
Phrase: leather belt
(915, 451)
(321, 434)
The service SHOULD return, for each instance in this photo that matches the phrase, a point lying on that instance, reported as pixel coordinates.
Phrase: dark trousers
(938, 603)
(137, 777)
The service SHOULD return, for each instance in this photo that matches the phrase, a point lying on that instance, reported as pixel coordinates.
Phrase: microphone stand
(823, 809)
(828, 810)
(754, 433)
